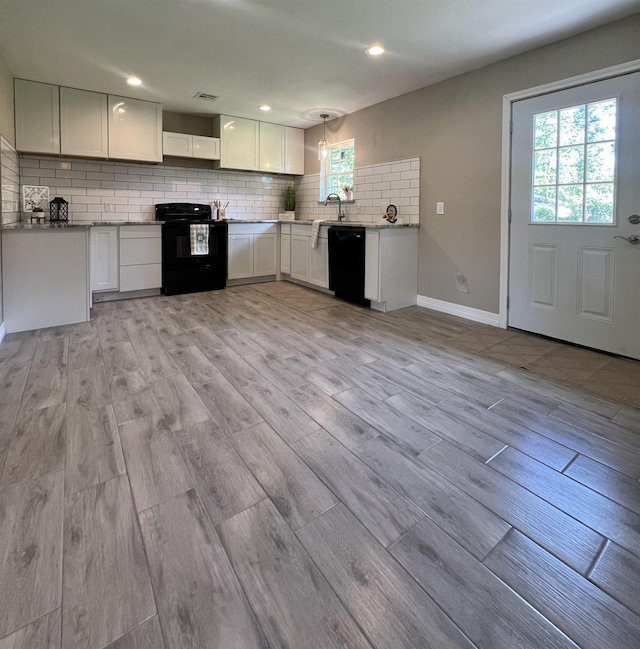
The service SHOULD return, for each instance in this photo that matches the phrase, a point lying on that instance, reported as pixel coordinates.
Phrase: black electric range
(194, 248)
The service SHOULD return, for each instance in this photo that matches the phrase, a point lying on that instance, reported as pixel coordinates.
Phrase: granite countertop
(359, 224)
(47, 225)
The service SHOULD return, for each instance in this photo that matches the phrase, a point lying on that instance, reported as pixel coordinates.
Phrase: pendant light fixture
(323, 145)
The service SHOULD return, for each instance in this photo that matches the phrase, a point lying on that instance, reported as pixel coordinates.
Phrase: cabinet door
(37, 108)
(319, 263)
(239, 143)
(265, 252)
(300, 257)
(240, 255)
(177, 144)
(83, 123)
(104, 258)
(293, 150)
(135, 129)
(285, 253)
(207, 148)
(271, 147)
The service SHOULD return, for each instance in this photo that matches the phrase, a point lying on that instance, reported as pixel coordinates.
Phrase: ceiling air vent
(205, 95)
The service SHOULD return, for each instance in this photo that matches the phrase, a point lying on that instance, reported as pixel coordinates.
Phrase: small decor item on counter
(348, 192)
(391, 214)
(58, 210)
(37, 215)
(221, 209)
(289, 204)
(34, 196)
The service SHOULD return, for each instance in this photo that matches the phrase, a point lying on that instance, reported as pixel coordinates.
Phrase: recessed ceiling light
(134, 81)
(375, 50)
(265, 108)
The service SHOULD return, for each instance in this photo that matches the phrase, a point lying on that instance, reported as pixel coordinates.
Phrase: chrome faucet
(341, 214)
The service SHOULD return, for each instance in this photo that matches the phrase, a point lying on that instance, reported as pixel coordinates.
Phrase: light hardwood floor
(265, 466)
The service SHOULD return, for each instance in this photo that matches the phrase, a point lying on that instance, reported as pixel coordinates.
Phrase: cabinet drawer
(142, 276)
(303, 230)
(252, 228)
(140, 251)
(140, 231)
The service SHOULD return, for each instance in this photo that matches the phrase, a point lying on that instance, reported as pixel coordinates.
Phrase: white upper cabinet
(37, 108)
(271, 147)
(239, 142)
(83, 123)
(183, 145)
(293, 151)
(207, 148)
(135, 129)
(177, 144)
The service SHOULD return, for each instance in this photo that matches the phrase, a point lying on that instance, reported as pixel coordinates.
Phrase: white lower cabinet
(140, 257)
(319, 264)
(264, 254)
(252, 250)
(300, 257)
(45, 278)
(309, 264)
(104, 258)
(240, 254)
(391, 268)
(285, 252)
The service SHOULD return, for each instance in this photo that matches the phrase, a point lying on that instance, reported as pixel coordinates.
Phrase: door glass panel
(571, 165)
(601, 125)
(570, 200)
(572, 125)
(546, 130)
(599, 203)
(574, 162)
(545, 167)
(601, 161)
(544, 204)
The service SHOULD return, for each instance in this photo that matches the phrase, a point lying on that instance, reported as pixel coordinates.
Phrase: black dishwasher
(346, 263)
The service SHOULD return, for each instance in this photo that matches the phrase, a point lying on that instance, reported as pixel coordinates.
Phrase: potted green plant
(289, 204)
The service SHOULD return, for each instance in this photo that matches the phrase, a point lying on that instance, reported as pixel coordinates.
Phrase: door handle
(632, 238)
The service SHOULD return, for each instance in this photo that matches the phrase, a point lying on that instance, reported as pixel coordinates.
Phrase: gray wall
(455, 127)
(6, 129)
(6, 102)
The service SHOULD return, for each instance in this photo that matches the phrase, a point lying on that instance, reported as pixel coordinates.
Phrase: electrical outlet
(439, 207)
(462, 284)
(108, 207)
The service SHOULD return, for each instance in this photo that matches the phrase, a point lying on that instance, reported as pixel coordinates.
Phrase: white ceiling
(303, 57)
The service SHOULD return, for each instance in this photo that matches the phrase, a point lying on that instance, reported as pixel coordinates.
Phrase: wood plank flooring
(266, 467)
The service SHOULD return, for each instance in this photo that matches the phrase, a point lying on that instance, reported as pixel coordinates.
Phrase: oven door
(194, 256)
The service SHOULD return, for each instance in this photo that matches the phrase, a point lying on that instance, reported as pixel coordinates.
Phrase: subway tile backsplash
(133, 189)
(9, 182)
(374, 187)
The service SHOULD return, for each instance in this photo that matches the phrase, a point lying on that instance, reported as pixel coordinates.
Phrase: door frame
(505, 197)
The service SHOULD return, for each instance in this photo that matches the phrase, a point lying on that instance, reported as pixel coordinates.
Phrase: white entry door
(574, 269)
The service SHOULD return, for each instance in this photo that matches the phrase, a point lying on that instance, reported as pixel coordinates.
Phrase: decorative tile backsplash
(133, 189)
(9, 182)
(374, 187)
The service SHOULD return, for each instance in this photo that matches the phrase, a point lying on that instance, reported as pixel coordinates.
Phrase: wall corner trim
(477, 315)
(3, 331)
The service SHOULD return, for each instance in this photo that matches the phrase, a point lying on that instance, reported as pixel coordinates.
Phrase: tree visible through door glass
(574, 164)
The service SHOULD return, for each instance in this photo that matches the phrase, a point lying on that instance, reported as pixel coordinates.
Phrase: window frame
(325, 167)
(585, 144)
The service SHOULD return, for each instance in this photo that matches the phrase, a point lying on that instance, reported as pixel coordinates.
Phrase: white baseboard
(3, 331)
(477, 315)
